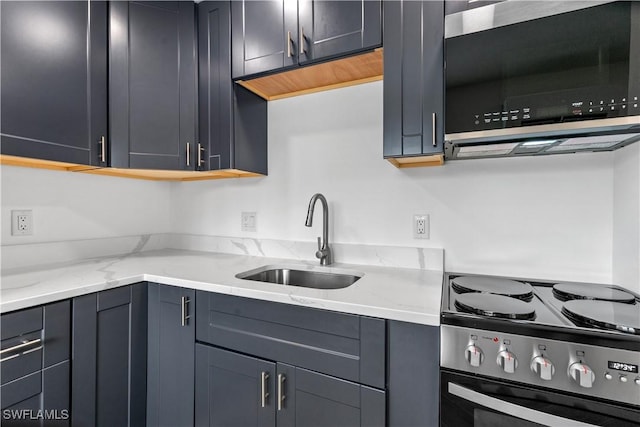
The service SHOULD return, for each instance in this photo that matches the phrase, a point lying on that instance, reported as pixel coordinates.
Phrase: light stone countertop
(411, 295)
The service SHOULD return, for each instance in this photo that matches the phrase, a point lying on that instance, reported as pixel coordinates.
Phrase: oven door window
(480, 402)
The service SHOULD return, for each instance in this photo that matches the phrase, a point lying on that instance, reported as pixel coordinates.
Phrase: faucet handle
(319, 253)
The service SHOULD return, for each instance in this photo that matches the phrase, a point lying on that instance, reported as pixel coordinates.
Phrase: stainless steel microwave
(542, 77)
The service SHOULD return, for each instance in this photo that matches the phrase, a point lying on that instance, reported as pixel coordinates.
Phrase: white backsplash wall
(626, 219)
(76, 206)
(548, 217)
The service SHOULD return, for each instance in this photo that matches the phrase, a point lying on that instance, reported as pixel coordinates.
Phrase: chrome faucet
(324, 251)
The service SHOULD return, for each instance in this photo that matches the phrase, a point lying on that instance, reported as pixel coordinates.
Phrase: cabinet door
(171, 356)
(306, 398)
(414, 369)
(264, 35)
(109, 358)
(233, 389)
(152, 85)
(233, 121)
(413, 78)
(333, 28)
(54, 80)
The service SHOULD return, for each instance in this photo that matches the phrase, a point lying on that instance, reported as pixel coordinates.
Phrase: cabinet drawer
(34, 339)
(342, 345)
(21, 322)
(21, 390)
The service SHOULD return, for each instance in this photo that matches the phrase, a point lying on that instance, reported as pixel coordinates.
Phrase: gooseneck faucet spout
(324, 251)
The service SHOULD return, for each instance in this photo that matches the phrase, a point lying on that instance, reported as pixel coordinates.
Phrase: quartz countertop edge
(410, 295)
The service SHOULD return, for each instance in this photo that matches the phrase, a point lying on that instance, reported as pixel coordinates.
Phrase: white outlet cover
(22, 223)
(421, 226)
(248, 221)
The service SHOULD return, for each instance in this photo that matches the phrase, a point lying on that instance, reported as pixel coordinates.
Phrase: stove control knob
(543, 368)
(474, 355)
(507, 361)
(623, 378)
(582, 374)
(637, 381)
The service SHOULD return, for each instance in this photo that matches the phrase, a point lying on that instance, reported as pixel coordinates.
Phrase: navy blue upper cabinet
(335, 28)
(54, 80)
(263, 35)
(414, 82)
(232, 120)
(153, 85)
(278, 34)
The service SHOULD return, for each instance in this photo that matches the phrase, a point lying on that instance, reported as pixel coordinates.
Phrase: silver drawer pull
(281, 396)
(263, 389)
(23, 347)
(184, 311)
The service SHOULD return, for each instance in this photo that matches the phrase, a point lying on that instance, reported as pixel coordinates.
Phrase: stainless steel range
(525, 353)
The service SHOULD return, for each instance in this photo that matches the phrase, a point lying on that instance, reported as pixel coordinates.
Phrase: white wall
(626, 219)
(548, 217)
(72, 206)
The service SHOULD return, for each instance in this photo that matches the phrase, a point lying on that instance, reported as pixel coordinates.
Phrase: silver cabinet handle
(302, 52)
(281, 396)
(188, 154)
(25, 345)
(184, 310)
(433, 129)
(263, 388)
(513, 409)
(103, 149)
(288, 44)
(200, 150)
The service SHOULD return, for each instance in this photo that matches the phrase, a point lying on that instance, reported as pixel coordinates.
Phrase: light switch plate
(248, 221)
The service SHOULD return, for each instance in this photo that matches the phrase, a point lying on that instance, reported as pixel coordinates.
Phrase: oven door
(467, 400)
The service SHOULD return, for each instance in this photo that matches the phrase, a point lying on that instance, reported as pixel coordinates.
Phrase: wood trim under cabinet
(339, 73)
(150, 174)
(417, 161)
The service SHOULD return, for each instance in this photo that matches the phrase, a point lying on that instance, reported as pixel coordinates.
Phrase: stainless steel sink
(296, 276)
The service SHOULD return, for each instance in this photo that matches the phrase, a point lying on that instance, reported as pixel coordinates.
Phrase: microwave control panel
(575, 110)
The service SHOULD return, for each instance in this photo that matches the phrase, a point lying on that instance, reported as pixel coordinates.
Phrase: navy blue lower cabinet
(109, 358)
(171, 356)
(35, 366)
(307, 398)
(413, 367)
(233, 389)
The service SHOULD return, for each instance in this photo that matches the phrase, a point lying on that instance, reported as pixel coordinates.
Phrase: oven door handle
(513, 409)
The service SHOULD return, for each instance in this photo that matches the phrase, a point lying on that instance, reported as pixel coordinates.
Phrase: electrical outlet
(421, 226)
(21, 223)
(248, 221)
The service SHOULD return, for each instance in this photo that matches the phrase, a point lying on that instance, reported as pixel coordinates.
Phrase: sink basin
(297, 276)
